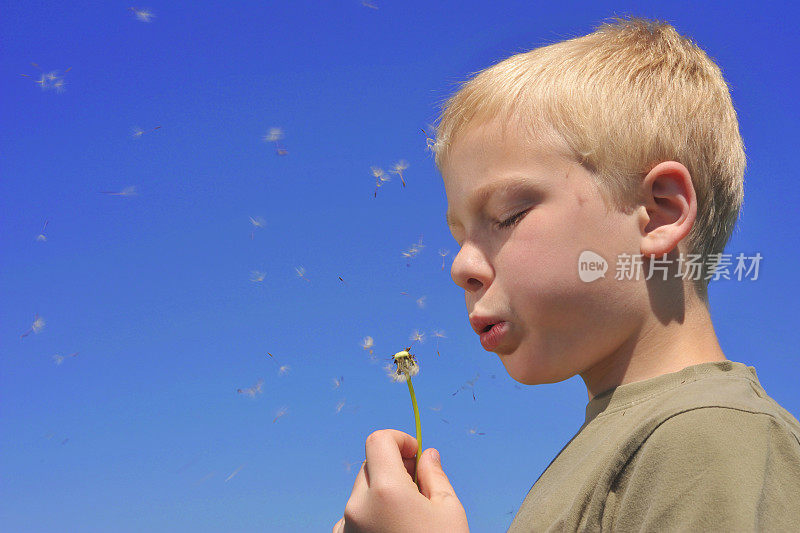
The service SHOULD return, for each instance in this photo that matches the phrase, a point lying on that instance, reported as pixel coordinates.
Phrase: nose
(471, 270)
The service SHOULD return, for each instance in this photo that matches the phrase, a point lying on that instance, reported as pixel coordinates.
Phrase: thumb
(433, 482)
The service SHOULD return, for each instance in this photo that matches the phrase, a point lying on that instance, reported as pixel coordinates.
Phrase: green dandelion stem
(417, 422)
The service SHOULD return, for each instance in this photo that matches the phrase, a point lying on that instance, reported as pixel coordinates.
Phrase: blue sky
(143, 428)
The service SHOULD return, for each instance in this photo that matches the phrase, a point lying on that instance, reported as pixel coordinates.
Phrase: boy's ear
(669, 208)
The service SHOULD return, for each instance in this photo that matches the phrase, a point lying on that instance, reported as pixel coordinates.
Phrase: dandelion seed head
(405, 366)
(367, 343)
(377, 172)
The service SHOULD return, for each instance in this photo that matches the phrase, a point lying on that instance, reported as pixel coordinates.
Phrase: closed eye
(512, 220)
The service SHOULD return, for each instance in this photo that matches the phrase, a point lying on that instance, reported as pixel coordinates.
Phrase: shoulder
(720, 429)
(711, 468)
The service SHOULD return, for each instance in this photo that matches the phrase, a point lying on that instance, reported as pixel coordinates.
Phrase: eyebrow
(483, 194)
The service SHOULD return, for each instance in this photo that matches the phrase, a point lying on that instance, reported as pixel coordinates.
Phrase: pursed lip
(479, 323)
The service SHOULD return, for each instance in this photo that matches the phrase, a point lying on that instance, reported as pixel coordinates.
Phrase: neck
(677, 333)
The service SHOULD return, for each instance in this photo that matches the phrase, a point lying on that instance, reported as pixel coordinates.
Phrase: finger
(411, 465)
(338, 527)
(385, 450)
(433, 482)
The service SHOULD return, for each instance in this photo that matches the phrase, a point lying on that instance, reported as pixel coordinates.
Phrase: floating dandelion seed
(256, 276)
(416, 336)
(430, 142)
(252, 391)
(138, 132)
(380, 177)
(468, 385)
(257, 222)
(127, 191)
(348, 466)
(407, 366)
(339, 407)
(273, 136)
(301, 273)
(205, 478)
(474, 431)
(367, 343)
(398, 169)
(269, 354)
(280, 413)
(144, 15)
(283, 370)
(439, 335)
(340, 279)
(58, 359)
(443, 253)
(367, 3)
(36, 327)
(421, 301)
(436, 408)
(49, 80)
(337, 382)
(42, 237)
(233, 474)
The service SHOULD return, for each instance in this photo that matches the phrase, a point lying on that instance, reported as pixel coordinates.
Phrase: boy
(620, 144)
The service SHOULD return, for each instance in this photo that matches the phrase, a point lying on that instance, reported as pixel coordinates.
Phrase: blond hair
(624, 98)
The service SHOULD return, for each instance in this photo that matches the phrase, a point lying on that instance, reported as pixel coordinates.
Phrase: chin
(523, 368)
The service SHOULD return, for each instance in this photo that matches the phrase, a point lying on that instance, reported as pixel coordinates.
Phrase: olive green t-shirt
(701, 449)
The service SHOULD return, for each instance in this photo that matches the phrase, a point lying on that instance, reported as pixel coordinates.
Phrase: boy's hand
(385, 498)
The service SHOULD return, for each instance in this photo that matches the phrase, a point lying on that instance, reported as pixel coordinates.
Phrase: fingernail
(437, 457)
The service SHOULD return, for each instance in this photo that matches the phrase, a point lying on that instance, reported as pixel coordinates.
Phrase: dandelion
(280, 413)
(443, 253)
(416, 336)
(252, 391)
(421, 301)
(337, 382)
(127, 191)
(339, 407)
(233, 474)
(398, 169)
(301, 273)
(36, 327)
(283, 370)
(407, 366)
(144, 15)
